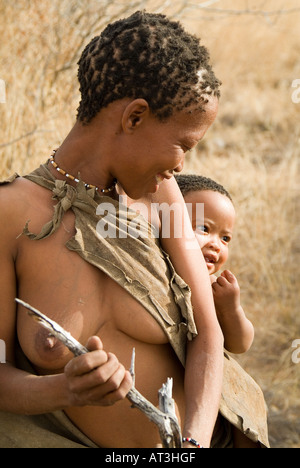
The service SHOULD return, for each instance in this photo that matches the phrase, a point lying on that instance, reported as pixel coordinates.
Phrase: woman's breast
(104, 309)
(128, 316)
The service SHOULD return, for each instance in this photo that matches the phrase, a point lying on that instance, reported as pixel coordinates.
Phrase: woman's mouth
(165, 175)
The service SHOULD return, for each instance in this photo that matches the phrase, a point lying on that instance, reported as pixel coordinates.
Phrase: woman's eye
(186, 149)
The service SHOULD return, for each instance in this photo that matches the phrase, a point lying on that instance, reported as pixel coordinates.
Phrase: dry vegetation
(253, 148)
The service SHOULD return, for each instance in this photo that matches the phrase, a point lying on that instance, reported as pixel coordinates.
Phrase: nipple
(50, 342)
(50, 352)
(45, 342)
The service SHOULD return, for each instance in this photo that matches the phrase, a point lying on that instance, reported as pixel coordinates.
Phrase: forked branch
(165, 417)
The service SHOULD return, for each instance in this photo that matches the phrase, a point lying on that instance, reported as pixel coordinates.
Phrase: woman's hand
(96, 378)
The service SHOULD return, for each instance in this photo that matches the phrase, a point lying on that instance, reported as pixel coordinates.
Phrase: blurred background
(253, 148)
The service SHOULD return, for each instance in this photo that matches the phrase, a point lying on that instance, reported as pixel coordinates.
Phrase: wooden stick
(165, 417)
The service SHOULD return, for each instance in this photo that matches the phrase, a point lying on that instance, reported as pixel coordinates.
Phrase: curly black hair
(145, 56)
(194, 183)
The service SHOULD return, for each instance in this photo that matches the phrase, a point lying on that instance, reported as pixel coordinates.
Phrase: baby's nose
(214, 244)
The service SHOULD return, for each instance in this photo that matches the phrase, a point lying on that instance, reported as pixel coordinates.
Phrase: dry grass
(253, 149)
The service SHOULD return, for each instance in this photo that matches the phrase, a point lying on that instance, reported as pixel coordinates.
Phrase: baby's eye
(201, 228)
(226, 239)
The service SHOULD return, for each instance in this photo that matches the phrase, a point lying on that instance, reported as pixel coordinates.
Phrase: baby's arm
(238, 331)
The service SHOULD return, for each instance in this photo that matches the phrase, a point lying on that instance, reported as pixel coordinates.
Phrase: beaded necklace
(75, 179)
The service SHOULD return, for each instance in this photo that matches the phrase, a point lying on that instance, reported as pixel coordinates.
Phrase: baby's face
(215, 231)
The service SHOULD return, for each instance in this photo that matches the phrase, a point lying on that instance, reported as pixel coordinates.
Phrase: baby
(214, 234)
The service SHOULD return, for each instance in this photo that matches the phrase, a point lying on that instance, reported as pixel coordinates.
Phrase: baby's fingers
(229, 276)
(222, 281)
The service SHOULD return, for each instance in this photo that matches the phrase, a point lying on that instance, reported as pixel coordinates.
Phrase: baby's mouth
(210, 259)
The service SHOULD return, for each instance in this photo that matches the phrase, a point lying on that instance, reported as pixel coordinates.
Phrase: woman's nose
(179, 168)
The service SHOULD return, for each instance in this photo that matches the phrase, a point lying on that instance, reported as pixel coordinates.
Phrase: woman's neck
(82, 154)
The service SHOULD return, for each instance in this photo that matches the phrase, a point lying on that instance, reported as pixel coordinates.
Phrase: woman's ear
(134, 115)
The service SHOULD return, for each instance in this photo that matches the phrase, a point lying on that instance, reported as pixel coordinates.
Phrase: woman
(148, 95)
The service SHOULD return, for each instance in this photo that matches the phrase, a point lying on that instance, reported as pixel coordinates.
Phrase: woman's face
(156, 149)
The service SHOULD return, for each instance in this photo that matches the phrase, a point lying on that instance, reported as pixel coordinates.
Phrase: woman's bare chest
(80, 297)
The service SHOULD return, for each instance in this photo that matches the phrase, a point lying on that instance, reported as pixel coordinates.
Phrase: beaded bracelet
(192, 441)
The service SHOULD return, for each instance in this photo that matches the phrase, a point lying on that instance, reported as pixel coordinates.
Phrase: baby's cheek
(200, 240)
(224, 256)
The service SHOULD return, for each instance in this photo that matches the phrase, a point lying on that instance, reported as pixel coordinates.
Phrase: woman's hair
(145, 56)
(195, 183)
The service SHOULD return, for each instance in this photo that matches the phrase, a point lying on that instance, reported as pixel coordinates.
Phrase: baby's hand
(238, 331)
(226, 293)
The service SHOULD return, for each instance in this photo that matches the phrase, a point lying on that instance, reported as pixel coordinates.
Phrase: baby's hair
(145, 56)
(194, 183)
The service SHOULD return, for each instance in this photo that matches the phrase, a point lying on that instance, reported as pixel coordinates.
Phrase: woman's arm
(204, 364)
(24, 393)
